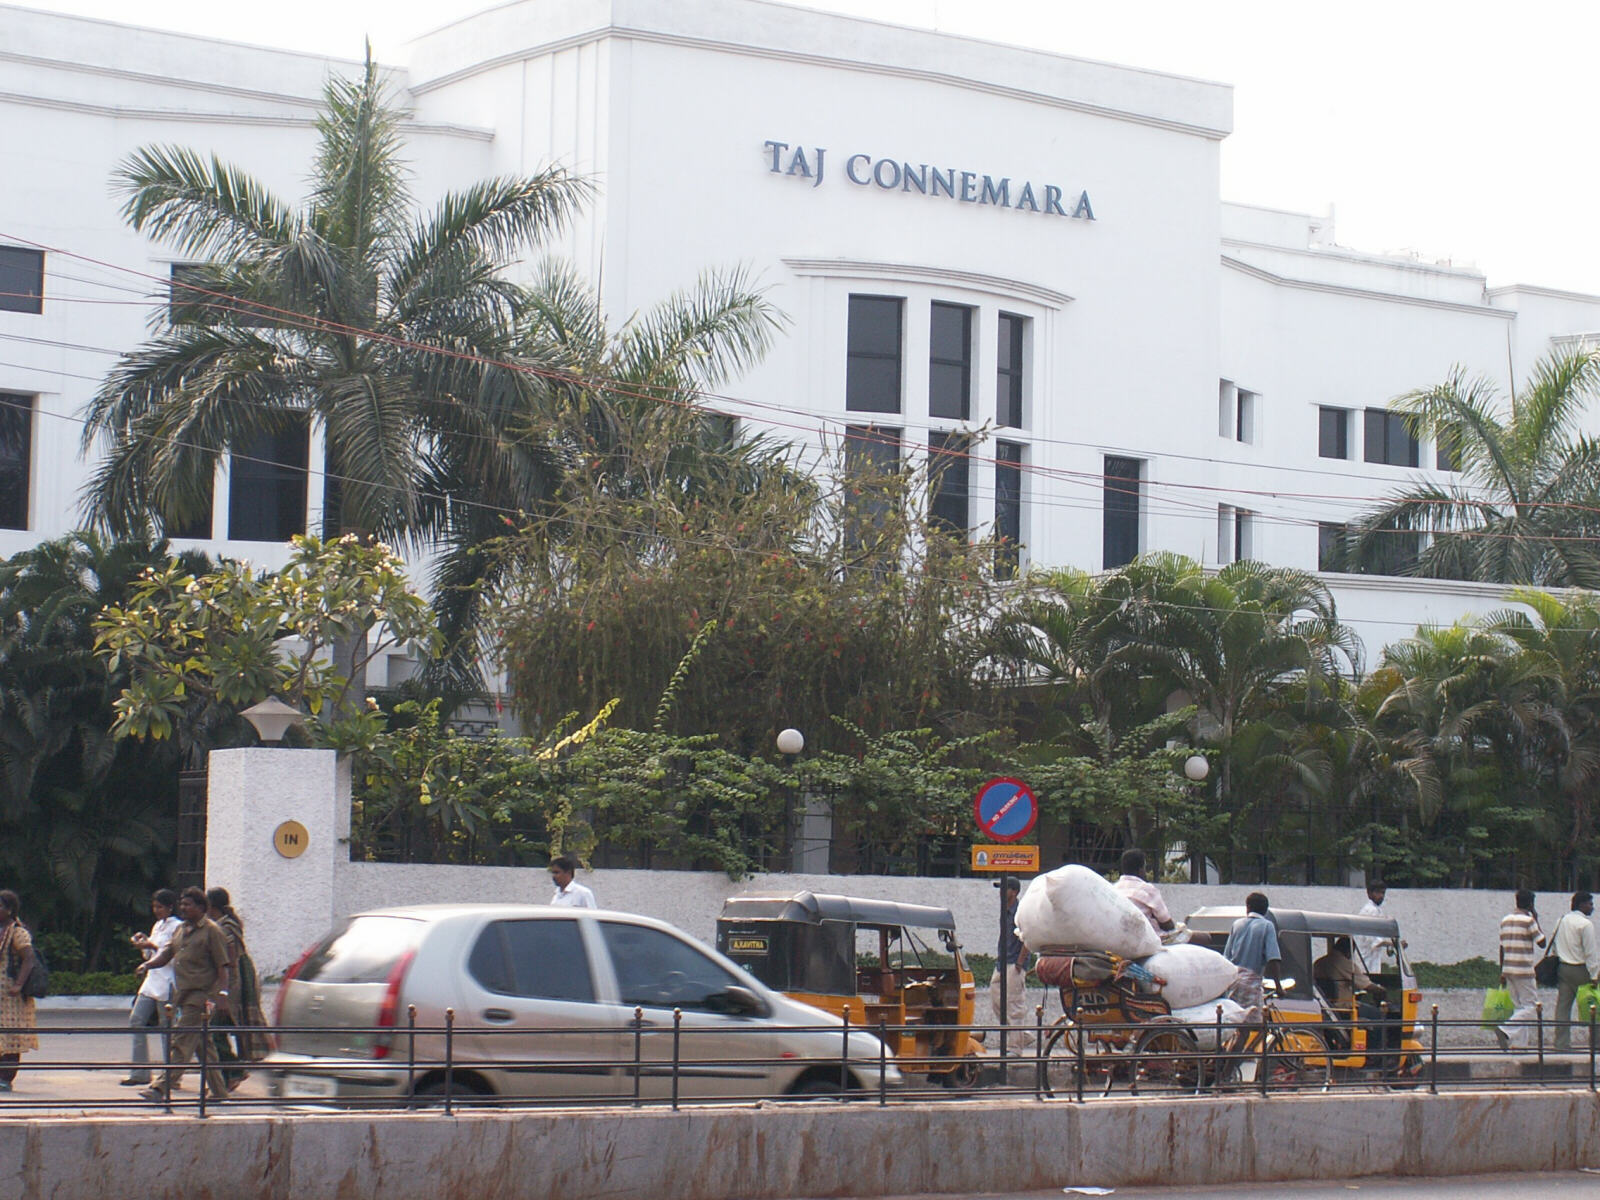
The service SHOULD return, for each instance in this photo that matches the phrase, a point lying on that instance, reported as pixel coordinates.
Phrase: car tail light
(389, 1010)
(283, 988)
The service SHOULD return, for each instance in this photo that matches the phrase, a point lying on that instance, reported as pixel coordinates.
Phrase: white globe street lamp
(791, 741)
(1196, 767)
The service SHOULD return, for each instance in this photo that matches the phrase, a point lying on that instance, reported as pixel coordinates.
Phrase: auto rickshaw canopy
(813, 908)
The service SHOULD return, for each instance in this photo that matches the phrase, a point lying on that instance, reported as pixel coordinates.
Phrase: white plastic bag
(1193, 974)
(1074, 906)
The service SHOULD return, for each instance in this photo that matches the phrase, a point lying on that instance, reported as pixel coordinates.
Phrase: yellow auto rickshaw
(1375, 1031)
(875, 960)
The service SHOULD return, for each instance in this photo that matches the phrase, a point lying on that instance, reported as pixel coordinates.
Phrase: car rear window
(365, 950)
(540, 959)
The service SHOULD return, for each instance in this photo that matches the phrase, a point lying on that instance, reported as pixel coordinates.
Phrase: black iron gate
(191, 829)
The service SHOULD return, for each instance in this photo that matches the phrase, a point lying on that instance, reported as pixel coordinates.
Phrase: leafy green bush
(1469, 973)
(91, 983)
(61, 950)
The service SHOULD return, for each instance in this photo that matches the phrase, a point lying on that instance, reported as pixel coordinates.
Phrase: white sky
(1460, 130)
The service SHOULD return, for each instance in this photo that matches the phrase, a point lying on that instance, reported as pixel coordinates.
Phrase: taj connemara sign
(890, 174)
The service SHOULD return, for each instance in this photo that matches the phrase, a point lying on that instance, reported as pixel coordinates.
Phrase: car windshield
(364, 950)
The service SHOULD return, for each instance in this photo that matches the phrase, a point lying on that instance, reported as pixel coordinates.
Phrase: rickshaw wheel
(1167, 1058)
(963, 1077)
(1298, 1059)
(1061, 1056)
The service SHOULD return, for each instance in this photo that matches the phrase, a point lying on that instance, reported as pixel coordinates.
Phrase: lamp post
(790, 742)
(272, 719)
(1195, 769)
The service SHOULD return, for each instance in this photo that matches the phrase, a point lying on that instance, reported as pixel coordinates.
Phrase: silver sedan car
(566, 1004)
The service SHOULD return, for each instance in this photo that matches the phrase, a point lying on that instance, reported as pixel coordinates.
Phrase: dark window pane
(1120, 531)
(21, 280)
(872, 456)
(872, 367)
(656, 970)
(950, 362)
(16, 456)
(489, 964)
(548, 960)
(1008, 390)
(1388, 441)
(1330, 546)
(267, 488)
(949, 465)
(1007, 508)
(1333, 433)
(1447, 451)
(193, 300)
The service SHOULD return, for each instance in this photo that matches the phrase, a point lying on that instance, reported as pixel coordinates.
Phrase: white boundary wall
(287, 903)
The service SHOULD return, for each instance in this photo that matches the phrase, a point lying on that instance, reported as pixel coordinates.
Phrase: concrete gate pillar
(277, 829)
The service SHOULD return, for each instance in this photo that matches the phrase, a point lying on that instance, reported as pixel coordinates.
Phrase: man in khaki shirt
(198, 953)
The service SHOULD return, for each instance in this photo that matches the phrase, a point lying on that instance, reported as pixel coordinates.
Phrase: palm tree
(386, 330)
(624, 421)
(1526, 505)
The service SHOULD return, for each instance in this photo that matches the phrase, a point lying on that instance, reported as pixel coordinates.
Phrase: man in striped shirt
(1520, 939)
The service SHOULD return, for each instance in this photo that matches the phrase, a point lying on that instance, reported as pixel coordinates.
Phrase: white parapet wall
(287, 902)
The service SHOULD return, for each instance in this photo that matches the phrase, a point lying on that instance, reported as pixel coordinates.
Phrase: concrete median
(815, 1149)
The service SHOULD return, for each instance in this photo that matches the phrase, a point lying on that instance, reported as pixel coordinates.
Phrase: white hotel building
(962, 235)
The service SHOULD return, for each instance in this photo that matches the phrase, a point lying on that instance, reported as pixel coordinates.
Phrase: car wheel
(817, 1088)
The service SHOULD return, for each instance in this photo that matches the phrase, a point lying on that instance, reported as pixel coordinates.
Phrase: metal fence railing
(676, 1062)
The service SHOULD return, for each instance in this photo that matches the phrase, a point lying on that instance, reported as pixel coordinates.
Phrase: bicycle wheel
(1166, 1058)
(1061, 1057)
(1298, 1060)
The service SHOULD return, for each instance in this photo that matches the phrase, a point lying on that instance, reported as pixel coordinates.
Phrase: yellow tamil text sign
(1005, 858)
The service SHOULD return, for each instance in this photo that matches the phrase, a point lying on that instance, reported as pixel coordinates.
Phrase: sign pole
(1004, 1014)
(1005, 809)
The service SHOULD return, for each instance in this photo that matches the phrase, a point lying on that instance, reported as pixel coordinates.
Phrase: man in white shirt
(1372, 948)
(156, 989)
(1578, 949)
(1146, 896)
(569, 892)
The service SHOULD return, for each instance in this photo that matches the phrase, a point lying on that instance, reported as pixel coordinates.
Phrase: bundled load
(1073, 906)
(1202, 1020)
(1191, 974)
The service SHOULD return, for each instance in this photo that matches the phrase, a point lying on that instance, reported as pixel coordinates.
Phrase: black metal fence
(671, 1063)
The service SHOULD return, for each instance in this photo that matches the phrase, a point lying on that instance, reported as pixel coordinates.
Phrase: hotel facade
(963, 236)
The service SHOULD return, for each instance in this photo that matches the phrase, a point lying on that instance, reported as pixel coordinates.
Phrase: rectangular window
(1244, 529)
(1227, 401)
(1333, 432)
(1388, 441)
(948, 465)
(950, 362)
(1009, 370)
(1120, 511)
(1330, 546)
(191, 300)
(1245, 416)
(1447, 449)
(1007, 509)
(267, 487)
(16, 459)
(872, 368)
(21, 280)
(871, 458)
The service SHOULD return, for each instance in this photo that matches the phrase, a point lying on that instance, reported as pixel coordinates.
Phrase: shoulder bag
(1547, 971)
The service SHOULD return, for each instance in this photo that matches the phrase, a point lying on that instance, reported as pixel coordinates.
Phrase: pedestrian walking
(1520, 939)
(569, 892)
(242, 1018)
(1578, 950)
(1371, 948)
(17, 1018)
(1252, 946)
(1011, 957)
(155, 989)
(198, 953)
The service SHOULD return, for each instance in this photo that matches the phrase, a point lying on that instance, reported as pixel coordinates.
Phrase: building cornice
(1444, 587)
(1343, 254)
(197, 117)
(1552, 293)
(777, 54)
(1336, 289)
(848, 268)
(165, 81)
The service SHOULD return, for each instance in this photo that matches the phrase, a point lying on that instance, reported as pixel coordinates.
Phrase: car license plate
(314, 1087)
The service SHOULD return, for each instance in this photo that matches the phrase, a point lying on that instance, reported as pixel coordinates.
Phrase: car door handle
(641, 1023)
(498, 1014)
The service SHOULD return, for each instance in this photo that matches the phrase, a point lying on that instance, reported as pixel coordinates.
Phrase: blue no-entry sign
(1005, 809)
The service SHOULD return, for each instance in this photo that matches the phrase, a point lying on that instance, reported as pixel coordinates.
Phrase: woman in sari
(244, 1014)
(17, 1022)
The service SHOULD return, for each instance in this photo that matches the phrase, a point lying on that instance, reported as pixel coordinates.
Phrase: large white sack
(1202, 1020)
(1074, 906)
(1193, 974)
